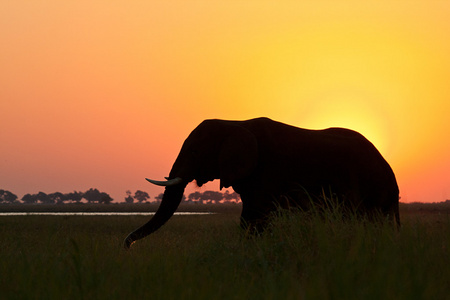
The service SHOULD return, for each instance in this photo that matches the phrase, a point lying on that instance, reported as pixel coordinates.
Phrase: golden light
(353, 112)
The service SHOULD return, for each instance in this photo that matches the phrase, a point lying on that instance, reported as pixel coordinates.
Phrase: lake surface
(3, 214)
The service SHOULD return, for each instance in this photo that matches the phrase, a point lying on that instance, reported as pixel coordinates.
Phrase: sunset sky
(102, 94)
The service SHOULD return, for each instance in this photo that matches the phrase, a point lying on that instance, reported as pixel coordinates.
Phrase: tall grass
(302, 256)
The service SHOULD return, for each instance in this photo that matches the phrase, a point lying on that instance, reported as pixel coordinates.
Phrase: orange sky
(102, 93)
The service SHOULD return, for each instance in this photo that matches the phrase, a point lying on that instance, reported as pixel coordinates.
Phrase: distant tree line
(139, 196)
(95, 196)
(207, 197)
(91, 196)
(213, 197)
(196, 197)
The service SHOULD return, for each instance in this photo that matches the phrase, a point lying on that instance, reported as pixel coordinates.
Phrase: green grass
(206, 257)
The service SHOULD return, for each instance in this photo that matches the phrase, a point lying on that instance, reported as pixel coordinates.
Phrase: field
(304, 256)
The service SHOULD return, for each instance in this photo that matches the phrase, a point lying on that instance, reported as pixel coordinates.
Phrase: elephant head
(216, 149)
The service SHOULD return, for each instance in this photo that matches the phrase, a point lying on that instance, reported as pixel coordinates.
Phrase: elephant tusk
(169, 182)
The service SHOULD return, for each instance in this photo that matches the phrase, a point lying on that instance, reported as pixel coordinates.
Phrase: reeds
(304, 255)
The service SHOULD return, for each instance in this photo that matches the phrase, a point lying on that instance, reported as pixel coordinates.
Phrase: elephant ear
(238, 156)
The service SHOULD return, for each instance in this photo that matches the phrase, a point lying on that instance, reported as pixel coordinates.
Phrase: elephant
(272, 165)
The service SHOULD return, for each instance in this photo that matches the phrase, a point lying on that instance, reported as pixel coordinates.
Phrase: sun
(355, 112)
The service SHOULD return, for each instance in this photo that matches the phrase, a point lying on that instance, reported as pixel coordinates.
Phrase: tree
(195, 196)
(92, 195)
(159, 197)
(212, 196)
(56, 197)
(105, 198)
(141, 196)
(207, 196)
(74, 196)
(28, 198)
(7, 196)
(44, 198)
(128, 198)
(228, 197)
(39, 197)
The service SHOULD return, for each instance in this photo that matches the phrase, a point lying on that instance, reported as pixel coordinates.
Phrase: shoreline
(233, 208)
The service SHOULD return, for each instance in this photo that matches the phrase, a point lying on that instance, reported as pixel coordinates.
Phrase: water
(3, 214)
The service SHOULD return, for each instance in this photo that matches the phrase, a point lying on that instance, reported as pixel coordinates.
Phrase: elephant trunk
(169, 204)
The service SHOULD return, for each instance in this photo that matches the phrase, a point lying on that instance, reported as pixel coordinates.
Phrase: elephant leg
(252, 224)
(255, 214)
